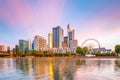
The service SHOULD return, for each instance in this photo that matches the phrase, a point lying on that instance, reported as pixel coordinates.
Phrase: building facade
(73, 44)
(50, 40)
(57, 37)
(2, 48)
(65, 42)
(71, 35)
(33, 45)
(23, 44)
(39, 43)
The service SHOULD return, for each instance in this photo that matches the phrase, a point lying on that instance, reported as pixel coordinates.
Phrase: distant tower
(50, 41)
(68, 28)
(71, 35)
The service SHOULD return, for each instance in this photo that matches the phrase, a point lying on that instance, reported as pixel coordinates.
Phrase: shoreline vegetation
(80, 53)
(35, 54)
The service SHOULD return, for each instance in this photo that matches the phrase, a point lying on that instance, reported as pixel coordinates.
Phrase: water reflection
(59, 69)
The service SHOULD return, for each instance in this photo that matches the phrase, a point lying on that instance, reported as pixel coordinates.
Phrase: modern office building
(73, 44)
(29, 45)
(50, 40)
(68, 28)
(65, 42)
(23, 44)
(71, 35)
(57, 37)
(2, 48)
(33, 45)
(39, 43)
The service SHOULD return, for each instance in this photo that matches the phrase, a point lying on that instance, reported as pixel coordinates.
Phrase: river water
(59, 69)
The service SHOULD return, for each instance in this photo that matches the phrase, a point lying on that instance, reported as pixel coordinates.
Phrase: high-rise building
(33, 45)
(57, 37)
(2, 48)
(23, 44)
(65, 42)
(68, 28)
(73, 44)
(71, 35)
(50, 40)
(39, 43)
(29, 45)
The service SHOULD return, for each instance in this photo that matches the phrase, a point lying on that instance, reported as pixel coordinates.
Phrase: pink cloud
(34, 20)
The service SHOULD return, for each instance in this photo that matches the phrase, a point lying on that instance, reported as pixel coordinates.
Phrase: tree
(13, 51)
(117, 49)
(17, 50)
(85, 49)
(26, 51)
(20, 53)
(79, 51)
(8, 50)
(35, 52)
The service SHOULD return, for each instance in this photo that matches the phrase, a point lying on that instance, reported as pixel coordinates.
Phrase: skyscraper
(33, 45)
(57, 37)
(23, 44)
(39, 43)
(68, 28)
(71, 35)
(29, 45)
(50, 41)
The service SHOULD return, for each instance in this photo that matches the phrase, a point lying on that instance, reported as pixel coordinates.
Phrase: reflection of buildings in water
(30, 68)
(40, 67)
(22, 65)
(51, 72)
(2, 64)
(80, 62)
(6, 64)
(64, 69)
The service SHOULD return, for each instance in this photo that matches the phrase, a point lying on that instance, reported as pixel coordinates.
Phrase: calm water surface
(59, 69)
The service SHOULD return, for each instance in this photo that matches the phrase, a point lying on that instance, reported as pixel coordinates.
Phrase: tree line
(79, 52)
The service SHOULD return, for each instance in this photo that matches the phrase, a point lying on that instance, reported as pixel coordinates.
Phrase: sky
(23, 19)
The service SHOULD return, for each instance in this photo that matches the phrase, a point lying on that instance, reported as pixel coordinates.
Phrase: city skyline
(23, 19)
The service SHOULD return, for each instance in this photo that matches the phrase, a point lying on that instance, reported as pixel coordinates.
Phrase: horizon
(23, 19)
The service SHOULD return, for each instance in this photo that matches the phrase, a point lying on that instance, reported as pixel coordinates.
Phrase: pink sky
(23, 19)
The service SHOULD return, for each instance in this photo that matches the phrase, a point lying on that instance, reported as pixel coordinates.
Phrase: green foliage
(79, 51)
(96, 53)
(26, 51)
(108, 54)
(20, 53)
(85, 49)
(8, 50)
(17, 50)
(113, 54)
(35, 52)
(13, 51)
(2, 55)
(117, 49)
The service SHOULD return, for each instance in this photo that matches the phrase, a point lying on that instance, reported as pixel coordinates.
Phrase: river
(59, 69)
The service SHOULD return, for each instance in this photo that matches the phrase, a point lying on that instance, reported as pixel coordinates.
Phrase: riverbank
(63, 57)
